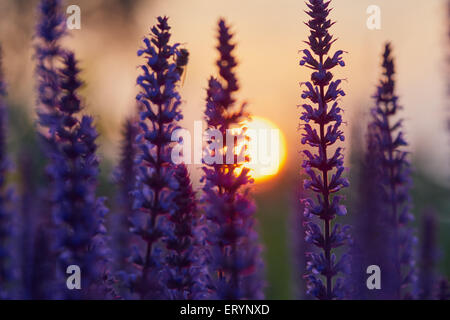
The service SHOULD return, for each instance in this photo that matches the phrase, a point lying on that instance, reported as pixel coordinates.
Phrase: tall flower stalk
(153, 196)
(6, 268)
(234, 262)
(79, 212)
(394, 179)
(324, 170)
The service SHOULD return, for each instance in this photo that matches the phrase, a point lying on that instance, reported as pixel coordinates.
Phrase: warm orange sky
(269, 35)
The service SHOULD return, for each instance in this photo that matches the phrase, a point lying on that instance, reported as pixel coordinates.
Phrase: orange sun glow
(267, 149)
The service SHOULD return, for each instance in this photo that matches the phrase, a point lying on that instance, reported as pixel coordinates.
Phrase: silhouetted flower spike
(234, 261)
(153, 196)
(394, 179)
(6, 267)
(75, 168)
(325, 173)
(50, 29)
(227, 63)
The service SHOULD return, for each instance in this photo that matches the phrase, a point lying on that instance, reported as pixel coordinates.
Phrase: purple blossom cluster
(325, 167)
(234, 259)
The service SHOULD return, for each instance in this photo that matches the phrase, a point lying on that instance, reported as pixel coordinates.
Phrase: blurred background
(269, 35)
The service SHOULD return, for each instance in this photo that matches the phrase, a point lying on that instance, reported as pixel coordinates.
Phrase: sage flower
(153, 194)
(79, 212)
(321, 126)
(234, 261)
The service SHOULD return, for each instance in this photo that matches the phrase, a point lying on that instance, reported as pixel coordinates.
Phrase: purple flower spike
(6, 268)
(153, 196)
(235, 255)
(394, 184)
(74, 168)
(321, 130)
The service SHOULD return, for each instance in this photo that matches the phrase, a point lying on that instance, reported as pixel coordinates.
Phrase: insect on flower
(181, 62)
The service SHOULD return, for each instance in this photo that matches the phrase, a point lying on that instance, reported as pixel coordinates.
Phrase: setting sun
(267, 148)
